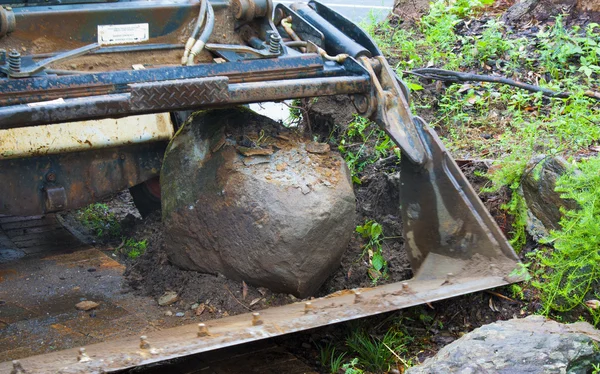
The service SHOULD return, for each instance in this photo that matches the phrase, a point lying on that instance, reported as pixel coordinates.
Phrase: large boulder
(244, 197)
(533, 345)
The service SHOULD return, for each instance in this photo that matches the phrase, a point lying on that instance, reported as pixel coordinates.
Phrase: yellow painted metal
(85, 135)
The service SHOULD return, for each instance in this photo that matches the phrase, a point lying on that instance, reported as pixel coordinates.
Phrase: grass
(362, 143)
(133, 248)
(99, 220)
(104, 224)
(370, 349)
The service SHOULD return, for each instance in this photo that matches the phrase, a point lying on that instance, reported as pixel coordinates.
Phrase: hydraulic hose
(206, 32)
(192, 39)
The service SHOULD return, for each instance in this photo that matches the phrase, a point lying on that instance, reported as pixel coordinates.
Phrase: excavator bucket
(123, 60)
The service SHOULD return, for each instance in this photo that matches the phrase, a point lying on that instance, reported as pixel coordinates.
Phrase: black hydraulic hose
(206, 33)
(192, 39)
(201, 16)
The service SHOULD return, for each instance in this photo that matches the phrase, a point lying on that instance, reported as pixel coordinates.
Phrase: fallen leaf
(374, 274)
(200, 309)
(493, 307)
(464, 87)
(244, 290)
(593, 304)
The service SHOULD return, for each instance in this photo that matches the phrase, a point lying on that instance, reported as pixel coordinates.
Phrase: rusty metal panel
(85, 176)
(84, 136)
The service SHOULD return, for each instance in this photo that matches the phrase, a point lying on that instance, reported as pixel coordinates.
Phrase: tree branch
(455, 76)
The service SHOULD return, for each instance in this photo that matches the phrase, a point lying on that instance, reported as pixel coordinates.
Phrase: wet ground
(41, 284)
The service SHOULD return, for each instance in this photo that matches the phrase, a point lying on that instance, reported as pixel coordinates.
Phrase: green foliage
(373, 232)
(100, 221)
(133, 248)
(331, 360)
(378, 354)
(351, 367)
(569, 274)
(360, 136)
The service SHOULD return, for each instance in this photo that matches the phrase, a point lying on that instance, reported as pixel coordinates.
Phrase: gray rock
(532, 345)
(275, 224)
(538, 185)
(86, 305)
(168, 298)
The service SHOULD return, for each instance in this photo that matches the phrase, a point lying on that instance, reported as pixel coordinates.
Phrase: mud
(153, 275)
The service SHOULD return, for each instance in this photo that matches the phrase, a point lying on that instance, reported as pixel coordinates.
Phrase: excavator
(93, 91)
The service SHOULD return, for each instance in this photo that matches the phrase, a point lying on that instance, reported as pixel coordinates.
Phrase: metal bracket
(41, 65)
(393, 113)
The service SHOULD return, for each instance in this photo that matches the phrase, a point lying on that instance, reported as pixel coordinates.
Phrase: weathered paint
(85, 135)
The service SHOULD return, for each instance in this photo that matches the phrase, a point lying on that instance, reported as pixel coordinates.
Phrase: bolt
(274, 42)
(256, 321)
(144, 342)
(51, 177)
(202, 330)
(405, 286)
(357, 297)
(308, 307)
(14, 62)
(82, 356)
(2, 56)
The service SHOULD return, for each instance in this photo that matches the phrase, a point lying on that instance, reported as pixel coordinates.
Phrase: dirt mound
(153, 275)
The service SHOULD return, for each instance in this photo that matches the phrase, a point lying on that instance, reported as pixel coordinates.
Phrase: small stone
(281, 166)
(255, 151)
(194, 306)
(318, 148)
(168, 313)
(249, 161)
(306, 346)
(168, 298)
(179, 314)
(86, 305)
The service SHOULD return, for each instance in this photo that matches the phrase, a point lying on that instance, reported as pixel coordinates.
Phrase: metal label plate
(123, 34)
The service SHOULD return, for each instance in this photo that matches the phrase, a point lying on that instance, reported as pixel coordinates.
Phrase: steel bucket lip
(341, 306)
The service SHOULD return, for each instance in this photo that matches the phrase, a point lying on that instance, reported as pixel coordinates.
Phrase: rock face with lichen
(249, 199)
(539, 182)
(533, 345)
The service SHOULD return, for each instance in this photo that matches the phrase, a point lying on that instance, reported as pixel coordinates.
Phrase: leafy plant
(570, 273)
(354, 145)
(133, 248)
(351, 367)
(373, 231)
(100, 221)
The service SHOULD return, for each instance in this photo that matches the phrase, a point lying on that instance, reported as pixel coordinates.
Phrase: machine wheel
(146, 196)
